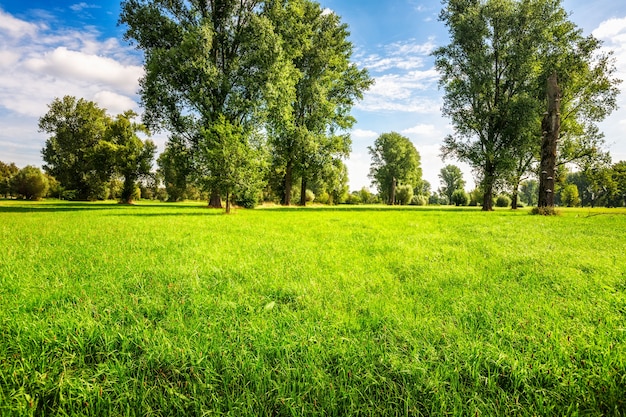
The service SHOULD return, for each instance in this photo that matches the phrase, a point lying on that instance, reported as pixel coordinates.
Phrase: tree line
(256, 96)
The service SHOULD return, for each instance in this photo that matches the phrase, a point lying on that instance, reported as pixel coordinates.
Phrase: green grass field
(160, 309)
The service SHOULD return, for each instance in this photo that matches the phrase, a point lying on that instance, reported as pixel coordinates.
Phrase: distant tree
(76, 126)
(451, 180)
(569, 196)
(131, 157)
(503, 201)
(460, 198)
(395, 161)
(30, 183)
(618, 174)
(404, 194)
(529, 192)
(7, 171)
(175, 167)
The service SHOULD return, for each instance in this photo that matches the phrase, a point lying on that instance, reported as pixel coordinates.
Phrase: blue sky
(76, 48)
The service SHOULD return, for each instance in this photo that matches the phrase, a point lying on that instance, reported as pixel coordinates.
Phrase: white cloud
(82, 6)
(610, 28)
(115, 103)
(362, 134)
(16, 28)
(87, 68)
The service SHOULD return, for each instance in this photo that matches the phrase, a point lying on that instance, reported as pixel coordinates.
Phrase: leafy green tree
(7, 171)
(569, 196)
(206, 63)
(306, 130)
(395, 161)
(460, 198)
(618, 174)
(529, 191)
(76, 126)
(30, 183)
(404, 194)
(131, 157)
(494, 74)
(226, 163)
(451, 180)
(175, 167)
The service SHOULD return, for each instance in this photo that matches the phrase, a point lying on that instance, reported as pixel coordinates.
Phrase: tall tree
(205, 60)
(494, 72)
(395, 161)
(308, 130)
(451, 180)
(76, 127)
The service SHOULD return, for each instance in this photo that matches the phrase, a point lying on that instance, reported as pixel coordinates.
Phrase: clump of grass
(172, 310)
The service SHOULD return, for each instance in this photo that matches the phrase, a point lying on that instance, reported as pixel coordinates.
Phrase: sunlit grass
(179, 309)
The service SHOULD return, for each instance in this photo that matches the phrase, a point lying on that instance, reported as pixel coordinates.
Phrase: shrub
(309, 196)
(354, 198)
(460, 198)
(323, 197)
(569, 196)
(30, 183)
(503, 201)
(419, 200)
(404, 194)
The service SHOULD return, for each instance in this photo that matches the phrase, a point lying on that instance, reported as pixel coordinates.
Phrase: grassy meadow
(160, 309)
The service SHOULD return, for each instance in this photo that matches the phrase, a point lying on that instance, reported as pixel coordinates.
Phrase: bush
(309, 196)
(354, 198)
(404, 194)
(30, 183)
(323, 197)
(419, 200)
(503, 201)
(570, 196)
(460, 198)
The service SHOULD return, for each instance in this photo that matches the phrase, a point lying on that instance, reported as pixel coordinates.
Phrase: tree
(175, 167)
(529, 192)
(460, 198)
(30, 183)
(451, 180)
(395, 161)
(131, 157)
(618, 197)
(208, 62)
(76, 127)
(7, 171)
(226, 163)
(307, 125)
(569, 196)
(494, 72)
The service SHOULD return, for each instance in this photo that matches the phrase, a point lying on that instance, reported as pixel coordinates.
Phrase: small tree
(404, 194)
(7, 171)
(451, 180)
(460, 198)
(503, 201)
(569, 196)
(30, 183)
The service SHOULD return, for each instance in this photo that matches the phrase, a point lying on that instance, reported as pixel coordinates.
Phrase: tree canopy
(395, 161)
(494, 73)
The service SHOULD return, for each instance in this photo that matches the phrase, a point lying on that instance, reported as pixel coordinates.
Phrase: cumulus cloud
(38, 65)
(16, 28)
(79, 7)
(403, 81)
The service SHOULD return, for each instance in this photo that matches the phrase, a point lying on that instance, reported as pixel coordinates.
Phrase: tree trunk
(227, 203)
(515, 195)
(215, 201)
(551, 126)
(392, 194)
(128, 189)
(288, 179)
(303, 191)
(488, 183)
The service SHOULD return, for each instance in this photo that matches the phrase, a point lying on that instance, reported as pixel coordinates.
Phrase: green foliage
(494, 74)
(175, 168)
(460, 198)
(73, 152)
(226, 162)
(569, 196)
(366, 312)
(451, 180)
(404, 194)
(29, 183)
(7, 171)
(503, 201)
(309, 113)
(419, 200)
(529, 190)
(394, 161)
